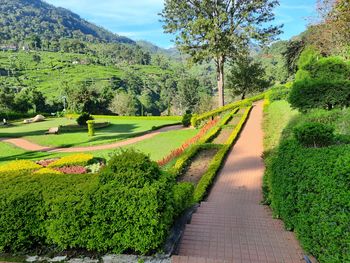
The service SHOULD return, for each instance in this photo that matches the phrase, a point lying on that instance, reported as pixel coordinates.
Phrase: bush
(280, 92)
(309, 94)
(129, 207)
(329, 69)
(313, 134)
(91, 127)
(186, 119)
(83, 118)
(82, 159)
(309, 190)
(183, 197)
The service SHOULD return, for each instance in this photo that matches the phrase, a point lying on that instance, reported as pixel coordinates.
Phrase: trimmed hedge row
(185, 158)
(129, 206)
(164, 118)
(207, 179)
(309, 189)
(197, 119)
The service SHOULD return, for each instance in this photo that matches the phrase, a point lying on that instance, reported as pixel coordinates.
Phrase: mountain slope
(20, 19)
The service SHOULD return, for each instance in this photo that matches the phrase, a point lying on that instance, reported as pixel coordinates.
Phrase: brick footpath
(232, 226)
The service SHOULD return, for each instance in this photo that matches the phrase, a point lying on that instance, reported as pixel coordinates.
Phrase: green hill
(21, 19)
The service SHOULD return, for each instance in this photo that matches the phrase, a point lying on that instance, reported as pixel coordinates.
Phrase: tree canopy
(218, 30)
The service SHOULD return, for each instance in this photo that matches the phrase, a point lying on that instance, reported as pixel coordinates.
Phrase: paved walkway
(232, 226)
(29, 146)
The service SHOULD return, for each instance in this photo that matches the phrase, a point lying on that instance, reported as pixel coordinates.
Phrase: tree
(246, 76)
(124, 104)
(188, 93)
(218, 29)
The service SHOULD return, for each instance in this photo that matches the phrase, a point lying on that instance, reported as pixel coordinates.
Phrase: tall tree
(218, 29)
(247, 76)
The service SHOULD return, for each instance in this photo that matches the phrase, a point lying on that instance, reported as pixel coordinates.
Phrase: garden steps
(232, 225)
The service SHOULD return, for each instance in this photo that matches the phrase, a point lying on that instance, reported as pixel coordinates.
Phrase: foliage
(19, 165)
(183, 193)
(329, 69)
(188, 93)
(198, 119)
(272, 59)
(246, 76)
(129, 206)
(313, 134)
(84, 118)
(198, 24)
(186, 119)
(91, 127)
(47, 171)
(73, 160)
(279, 92)
(124, 104)
(48, 22)
(308, 189)
(309, 94)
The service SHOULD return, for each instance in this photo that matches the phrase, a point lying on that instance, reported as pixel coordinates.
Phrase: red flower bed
(45, 163)
(72, 169)
(177, 152)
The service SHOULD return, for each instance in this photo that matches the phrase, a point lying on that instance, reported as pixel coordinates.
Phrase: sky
(139, 19)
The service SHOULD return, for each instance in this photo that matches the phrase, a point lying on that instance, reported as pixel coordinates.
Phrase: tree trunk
(243, 96)
(220, 79)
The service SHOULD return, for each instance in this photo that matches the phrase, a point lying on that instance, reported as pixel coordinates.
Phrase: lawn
(119, 129)
(277, 116)
(157, 147)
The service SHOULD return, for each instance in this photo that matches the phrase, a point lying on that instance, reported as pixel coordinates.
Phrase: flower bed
(177, 152)
(19, 165)
(81, 159)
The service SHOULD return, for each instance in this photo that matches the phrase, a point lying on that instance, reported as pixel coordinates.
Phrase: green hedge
(198, 119)
(309, 189)
(310, 94)
(164, 118)
(129, 206)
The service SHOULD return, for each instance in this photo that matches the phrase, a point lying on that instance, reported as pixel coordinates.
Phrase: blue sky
(139, 20)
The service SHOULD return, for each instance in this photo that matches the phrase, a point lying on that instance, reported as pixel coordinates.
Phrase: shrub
(91, 127)
(329, 69)
(133, 205)
(83, 118)
(186, 119)
(19, 165)
(81, 159)
(309, 94)
(280, 92)
(20, 216)
(309, 190)
(183, 197)
(313, 134)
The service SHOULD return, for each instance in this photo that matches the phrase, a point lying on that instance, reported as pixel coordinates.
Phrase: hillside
(21, 19)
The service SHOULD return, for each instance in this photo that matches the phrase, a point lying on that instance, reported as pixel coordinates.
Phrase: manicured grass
(119, 129)
(157, 147)
(277, 116)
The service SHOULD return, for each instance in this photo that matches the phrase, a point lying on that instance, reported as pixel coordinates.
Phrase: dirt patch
(199, 166)
(223, 135)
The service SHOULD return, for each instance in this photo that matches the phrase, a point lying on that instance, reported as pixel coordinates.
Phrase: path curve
(232, 225)
(30, 146)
